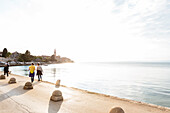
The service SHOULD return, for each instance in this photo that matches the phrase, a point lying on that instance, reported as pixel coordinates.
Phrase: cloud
(150, 17)
(115, 29)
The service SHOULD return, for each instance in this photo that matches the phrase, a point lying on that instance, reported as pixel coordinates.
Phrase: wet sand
(13, 99)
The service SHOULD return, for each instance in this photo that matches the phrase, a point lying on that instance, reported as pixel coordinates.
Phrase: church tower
(55, 53)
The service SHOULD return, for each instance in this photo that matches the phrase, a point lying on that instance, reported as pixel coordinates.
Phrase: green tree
(8, 54)
(21, 58)
(37, 59)
(45, 59)
(27, 57)
(53, 58)
(4, 53)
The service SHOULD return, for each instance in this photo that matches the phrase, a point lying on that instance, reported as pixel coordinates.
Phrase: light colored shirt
(39, 68)
(32, 68)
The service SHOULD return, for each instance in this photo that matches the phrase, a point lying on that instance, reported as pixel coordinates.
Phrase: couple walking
(32, 72)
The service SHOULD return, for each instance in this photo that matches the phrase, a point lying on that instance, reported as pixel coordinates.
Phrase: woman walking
(32, 73)
(39, 72)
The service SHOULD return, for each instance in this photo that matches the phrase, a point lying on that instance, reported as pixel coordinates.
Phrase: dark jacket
(6, 68)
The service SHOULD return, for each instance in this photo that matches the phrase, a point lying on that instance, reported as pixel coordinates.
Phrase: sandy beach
(13, 99)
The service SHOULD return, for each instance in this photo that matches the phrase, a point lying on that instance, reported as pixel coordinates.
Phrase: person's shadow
(54, 107)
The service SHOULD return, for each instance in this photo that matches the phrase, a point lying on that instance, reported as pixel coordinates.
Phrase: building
(44, 56)
(55, 53)
(1, 54)
(14, 55)
(58, 58)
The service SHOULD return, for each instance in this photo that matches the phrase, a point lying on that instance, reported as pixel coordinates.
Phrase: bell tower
(55, 53)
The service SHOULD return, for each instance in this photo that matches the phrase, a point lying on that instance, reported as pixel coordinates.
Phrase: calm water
(146, 82)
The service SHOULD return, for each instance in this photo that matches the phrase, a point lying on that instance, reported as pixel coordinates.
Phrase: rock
(56, 96)
(58, 83)
(9, 72)
(12, 80)
(2, 77)
(28, 85)
(57, 93)
(116, 110)
(55, 99)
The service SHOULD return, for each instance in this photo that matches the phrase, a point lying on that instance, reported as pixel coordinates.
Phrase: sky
(88, 30)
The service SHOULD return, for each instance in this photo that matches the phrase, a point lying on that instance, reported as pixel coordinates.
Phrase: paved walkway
(13, 99)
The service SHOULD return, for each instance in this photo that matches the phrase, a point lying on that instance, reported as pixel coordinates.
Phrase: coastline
(36, 62)
(16, 65)
(74, 97)
(112, 97)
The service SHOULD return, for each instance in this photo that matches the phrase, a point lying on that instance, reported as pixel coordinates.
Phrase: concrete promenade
(13, 99)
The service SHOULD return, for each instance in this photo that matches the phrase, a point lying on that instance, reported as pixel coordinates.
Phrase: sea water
(147, 82)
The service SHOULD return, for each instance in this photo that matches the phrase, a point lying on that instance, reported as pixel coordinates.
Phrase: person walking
(32, 73)
(6, 69)
(39, 72)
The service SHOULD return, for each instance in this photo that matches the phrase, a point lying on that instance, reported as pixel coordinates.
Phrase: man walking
(6, 69)
(32, 73)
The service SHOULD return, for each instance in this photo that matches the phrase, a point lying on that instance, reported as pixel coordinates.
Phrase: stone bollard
(12, 80)
(2, 77)
(28, 85)
(116, 110)
(56, 96)
(9, 72)
(58, 83)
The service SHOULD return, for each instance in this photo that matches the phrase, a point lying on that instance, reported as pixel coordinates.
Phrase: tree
(8, 54)
(20, 58)
(27, 53)
(27, 57)
(4, 53)
(37, 59)
(45, 59)
(53, 58)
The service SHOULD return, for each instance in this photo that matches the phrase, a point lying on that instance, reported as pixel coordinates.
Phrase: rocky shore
(16, 65)
(42, 63)
(14, 99)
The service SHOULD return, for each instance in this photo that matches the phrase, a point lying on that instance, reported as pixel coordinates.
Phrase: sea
(147, 82)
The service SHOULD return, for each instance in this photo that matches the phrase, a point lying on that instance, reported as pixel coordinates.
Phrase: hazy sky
(88, 30)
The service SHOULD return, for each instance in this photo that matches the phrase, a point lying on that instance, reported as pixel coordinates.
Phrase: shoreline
(90, 96)
(112, 97)
(41, 64)
(16, 65)
(105, 95)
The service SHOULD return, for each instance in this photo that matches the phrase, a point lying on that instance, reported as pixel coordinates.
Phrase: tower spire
(55, 53)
